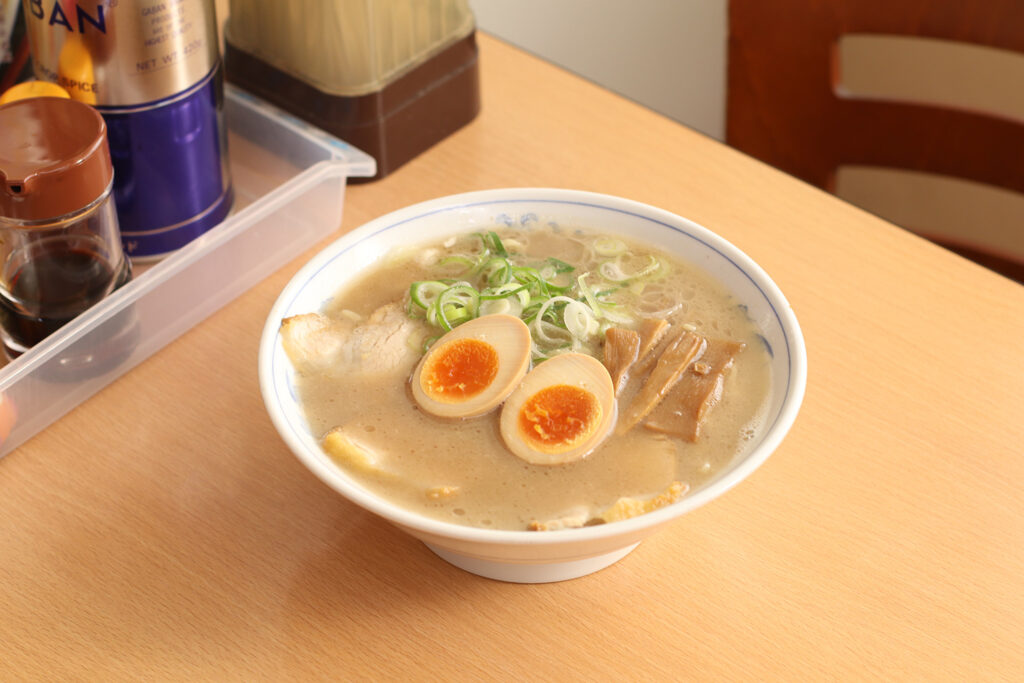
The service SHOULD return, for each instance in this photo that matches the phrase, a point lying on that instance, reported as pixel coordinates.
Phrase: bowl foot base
(517, 572)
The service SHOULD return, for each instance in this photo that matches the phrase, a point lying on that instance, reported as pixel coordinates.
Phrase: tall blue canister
(152, 68)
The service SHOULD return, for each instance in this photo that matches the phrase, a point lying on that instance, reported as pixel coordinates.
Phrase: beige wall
(668, 55)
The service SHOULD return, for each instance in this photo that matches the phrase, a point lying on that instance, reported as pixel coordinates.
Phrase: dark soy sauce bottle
(66, 279)
(60, 246)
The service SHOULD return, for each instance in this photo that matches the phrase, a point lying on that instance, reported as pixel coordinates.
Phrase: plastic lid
(54, 158)
(28, 89)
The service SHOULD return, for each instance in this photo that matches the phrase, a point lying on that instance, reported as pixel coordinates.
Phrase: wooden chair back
(785, 108)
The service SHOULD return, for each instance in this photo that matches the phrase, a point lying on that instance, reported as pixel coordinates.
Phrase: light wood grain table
(163, 531)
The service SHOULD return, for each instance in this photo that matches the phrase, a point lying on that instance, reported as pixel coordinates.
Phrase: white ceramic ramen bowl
(529, 556)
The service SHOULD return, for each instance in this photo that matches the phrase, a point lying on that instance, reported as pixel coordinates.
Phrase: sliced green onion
(580, 320)
(510, 299)
(530, 312)
(588, 294)
(453, 316)
(603, 310)
(467, 264)
(530, 277)
(492, 243)
(548, 335)
(456, 305)
(565, 312)
(424, 292)
(609, 246)
(506, 306)
(612, 270)
(559, 265)
(542, 326)
(506, 290)
(496, 271)
(650, 268)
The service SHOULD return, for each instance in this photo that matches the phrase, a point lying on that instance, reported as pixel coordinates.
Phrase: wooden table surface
(162, 530)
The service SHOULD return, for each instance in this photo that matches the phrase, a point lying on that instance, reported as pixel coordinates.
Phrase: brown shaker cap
(54, 158)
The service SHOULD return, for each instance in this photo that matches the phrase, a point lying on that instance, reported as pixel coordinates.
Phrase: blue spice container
(152, 68)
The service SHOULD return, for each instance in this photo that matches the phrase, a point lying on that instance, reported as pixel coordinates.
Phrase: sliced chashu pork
(627, 507)
(572, 519)
(379, 345)
(349, 451)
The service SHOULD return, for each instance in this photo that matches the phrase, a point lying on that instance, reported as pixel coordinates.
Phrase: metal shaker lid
(54, 158)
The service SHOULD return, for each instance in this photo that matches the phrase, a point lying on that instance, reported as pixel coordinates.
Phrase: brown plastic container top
(394, 124)
(54, 158)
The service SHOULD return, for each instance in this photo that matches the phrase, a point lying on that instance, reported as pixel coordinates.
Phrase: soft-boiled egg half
(474, 367)
(563, 409)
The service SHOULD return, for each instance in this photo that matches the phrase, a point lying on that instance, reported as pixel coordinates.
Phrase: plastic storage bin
(290, 182)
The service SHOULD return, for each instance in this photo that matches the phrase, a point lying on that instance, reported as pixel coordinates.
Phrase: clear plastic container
(290, 182)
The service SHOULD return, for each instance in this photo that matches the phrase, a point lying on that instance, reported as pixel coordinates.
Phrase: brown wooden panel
(782, 107)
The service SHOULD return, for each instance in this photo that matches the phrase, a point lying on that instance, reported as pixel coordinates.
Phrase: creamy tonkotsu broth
(460, 470)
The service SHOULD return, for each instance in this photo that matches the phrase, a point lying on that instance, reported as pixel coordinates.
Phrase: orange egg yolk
(460, 370)
(558, 417)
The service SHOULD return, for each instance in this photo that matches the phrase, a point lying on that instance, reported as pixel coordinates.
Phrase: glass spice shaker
(60, 246)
